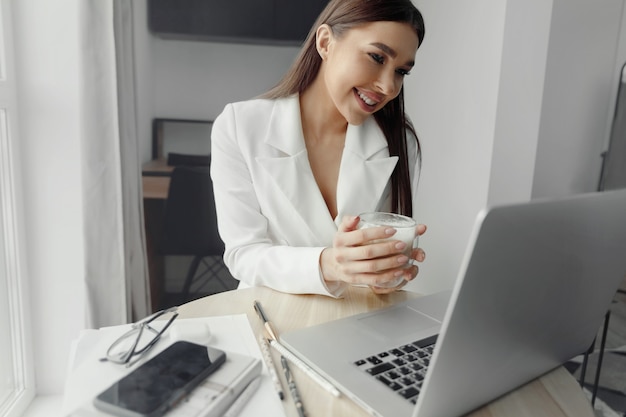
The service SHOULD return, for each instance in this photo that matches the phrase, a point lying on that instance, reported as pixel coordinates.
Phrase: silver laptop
(535, 283)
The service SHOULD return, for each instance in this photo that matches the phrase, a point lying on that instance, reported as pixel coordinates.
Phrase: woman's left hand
(418, 255)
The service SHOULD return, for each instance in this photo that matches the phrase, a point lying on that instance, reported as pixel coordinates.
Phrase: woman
(292, 169)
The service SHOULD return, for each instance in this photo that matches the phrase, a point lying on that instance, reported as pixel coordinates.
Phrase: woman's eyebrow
(389, 51)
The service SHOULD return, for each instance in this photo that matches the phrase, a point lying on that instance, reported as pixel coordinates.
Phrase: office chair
(190, 228)
(182, 159)
(595, 386)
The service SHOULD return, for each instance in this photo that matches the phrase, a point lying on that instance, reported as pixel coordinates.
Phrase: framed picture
(180, 136)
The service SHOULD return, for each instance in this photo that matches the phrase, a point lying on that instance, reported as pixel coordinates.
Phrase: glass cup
(405, 231)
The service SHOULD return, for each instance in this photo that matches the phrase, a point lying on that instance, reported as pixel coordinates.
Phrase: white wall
(580, 86)
(46, 36)
(143, 79)
(521, 88)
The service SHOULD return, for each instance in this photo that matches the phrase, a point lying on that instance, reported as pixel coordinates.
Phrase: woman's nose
(387, 83)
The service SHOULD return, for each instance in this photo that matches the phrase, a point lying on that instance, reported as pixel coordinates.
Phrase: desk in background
(555, 394)
(155, 178)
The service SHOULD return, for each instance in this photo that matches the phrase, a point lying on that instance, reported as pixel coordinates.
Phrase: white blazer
(271, 214)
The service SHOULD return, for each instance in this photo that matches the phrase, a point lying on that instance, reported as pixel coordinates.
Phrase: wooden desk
(554, 394)
(155, 178)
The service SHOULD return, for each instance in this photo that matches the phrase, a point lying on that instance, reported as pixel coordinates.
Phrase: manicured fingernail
(390, 231)
(400, 245)
(402, 259)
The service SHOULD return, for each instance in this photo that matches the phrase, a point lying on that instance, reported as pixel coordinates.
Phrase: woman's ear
(323, 39)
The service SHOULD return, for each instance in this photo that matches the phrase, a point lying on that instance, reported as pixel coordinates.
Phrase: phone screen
(157, 385)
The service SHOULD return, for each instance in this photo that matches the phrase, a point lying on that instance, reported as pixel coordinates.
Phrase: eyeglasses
(142, 336)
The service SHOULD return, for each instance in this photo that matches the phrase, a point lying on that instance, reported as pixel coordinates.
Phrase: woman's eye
(378, 58)
(403, 72)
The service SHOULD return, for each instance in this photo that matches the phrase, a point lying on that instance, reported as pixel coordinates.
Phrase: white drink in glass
(405, 231)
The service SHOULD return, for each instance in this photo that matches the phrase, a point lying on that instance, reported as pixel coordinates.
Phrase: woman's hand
(418, 255)
(355, 259)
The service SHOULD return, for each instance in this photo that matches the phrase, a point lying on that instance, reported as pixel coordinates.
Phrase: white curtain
(116, 272)
(138, 284)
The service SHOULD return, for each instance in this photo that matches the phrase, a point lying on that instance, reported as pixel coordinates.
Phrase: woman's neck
(321, 120)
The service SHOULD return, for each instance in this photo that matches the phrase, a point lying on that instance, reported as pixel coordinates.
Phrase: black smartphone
(158, 385)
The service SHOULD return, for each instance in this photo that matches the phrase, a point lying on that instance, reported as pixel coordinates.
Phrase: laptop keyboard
(402, 369)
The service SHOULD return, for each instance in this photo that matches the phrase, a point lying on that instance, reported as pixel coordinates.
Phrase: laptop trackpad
(394, 323)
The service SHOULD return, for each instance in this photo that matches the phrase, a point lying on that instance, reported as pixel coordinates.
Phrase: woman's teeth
(366, 99)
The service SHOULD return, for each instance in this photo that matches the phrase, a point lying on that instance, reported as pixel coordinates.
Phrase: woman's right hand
(356, 260)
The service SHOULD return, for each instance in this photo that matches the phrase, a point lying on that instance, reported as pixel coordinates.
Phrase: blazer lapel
(291, 170)
(363, 175)
(365, 170)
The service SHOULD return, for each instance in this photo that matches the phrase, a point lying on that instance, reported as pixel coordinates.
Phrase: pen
(266, 322)
(292, 387)
(265, 350)
(243, 398)
(293, 358)
(305, 368)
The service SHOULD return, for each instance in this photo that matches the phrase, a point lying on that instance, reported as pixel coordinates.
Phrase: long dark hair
(342, 15)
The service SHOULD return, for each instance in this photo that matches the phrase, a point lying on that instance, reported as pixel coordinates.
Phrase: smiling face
(364, 68)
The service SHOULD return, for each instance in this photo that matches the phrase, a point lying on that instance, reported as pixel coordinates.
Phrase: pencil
(271, 367)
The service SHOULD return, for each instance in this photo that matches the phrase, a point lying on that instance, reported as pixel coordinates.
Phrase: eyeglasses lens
(140, 338)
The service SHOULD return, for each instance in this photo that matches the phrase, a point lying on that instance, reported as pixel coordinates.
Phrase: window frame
(13, 270)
